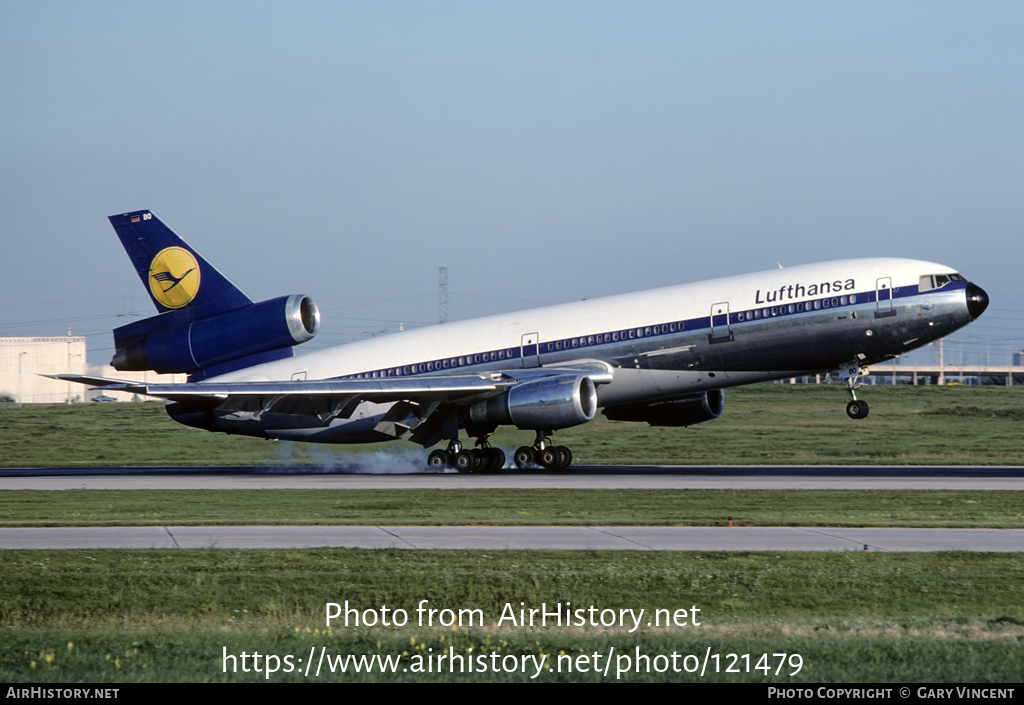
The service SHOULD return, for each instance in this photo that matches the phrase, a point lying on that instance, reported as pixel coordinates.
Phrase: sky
(542, 151)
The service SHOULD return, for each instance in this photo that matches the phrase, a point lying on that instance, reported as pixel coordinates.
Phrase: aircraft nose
(977, 300)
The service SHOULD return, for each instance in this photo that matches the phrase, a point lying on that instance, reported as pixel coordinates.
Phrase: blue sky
(542, 152)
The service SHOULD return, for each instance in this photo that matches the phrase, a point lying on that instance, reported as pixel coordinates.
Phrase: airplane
(663, 356)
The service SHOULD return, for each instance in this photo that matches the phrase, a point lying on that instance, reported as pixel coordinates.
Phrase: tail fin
(175, 276)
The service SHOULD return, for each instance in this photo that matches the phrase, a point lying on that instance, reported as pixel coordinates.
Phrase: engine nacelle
(676, 412)
(541, 405)
(200, 343)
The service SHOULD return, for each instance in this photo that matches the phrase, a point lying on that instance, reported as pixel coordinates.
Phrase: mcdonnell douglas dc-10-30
(662, 357)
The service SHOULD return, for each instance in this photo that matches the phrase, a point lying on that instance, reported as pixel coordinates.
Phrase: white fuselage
(673, 341)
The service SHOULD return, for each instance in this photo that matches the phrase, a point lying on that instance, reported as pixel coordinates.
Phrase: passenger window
(757, 313)
(775, 310)
(672, 327)
(824, 302)
(835, 302)
(792, 308)
(590, 340)
(501, 353)
(853, 298)
(739, 316)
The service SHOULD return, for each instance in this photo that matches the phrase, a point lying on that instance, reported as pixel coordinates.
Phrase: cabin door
(530, 350)
(883, 293)
(720, 330)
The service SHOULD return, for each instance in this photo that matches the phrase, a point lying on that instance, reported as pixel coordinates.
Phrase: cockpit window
(936, 281)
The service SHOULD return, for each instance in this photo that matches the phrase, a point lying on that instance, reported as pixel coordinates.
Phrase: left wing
(449, 388)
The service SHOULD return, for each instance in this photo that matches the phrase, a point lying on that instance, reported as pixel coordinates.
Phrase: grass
(168, 615)
(762, 424)
(521, 507)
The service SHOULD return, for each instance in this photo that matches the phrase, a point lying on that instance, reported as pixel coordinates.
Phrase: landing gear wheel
(439, 460)
(564, 457)
(857, 409)
(480, 459)
(549, 458)
(524, 457)
(497, 459)
(463, 461)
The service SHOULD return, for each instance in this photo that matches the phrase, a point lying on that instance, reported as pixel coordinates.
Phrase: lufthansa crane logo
(174, 277)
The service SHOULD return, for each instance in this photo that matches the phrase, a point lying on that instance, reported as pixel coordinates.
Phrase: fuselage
(663, 343)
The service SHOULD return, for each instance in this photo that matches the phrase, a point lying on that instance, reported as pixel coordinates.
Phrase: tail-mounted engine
(676, 412)
(174, 342)
(543, 404)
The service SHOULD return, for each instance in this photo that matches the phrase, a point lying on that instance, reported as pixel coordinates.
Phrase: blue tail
(176, 277)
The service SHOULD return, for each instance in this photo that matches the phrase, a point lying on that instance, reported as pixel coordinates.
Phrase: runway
(403, 476)
(632, 538)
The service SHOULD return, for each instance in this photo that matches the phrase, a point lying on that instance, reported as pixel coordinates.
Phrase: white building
(23, 360)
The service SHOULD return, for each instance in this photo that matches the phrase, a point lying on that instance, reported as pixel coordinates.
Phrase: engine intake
(705, 406)
(541, 405)
(200, 343)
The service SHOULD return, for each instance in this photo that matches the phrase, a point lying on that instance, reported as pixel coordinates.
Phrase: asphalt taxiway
(634, 538)
(401, 475)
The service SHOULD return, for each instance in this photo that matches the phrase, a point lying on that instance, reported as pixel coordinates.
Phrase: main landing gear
(856, 409)
(483, 458)
(547, 456)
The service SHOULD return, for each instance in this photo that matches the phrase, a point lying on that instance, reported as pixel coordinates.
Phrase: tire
(549, 457)
(480, 459)
(857, 409)
(564, 457)
(439, 460)
(497, 460)
(524, 457)
(463, 461)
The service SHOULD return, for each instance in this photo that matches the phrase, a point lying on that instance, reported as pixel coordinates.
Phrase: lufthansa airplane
(662, 356)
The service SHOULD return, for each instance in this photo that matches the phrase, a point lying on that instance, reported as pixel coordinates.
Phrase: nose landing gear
(856, 409)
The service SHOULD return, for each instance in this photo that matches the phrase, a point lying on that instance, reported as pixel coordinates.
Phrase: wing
(417, 397)
(450, 388)
(439, 388)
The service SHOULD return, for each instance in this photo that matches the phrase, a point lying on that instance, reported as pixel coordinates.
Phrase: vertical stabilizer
(176, 277)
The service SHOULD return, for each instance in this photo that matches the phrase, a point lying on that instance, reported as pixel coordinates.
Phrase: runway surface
(657, 538)
(401, 475)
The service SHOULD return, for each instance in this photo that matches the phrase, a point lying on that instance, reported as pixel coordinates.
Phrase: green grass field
(168, 615)
(522, 507)
(762, 424)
